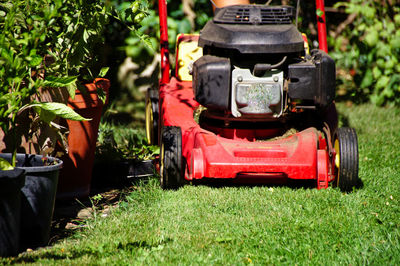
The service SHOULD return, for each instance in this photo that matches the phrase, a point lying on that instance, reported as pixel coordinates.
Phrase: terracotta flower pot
(75, 177)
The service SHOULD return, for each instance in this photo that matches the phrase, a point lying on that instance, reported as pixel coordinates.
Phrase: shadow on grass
(343, 121)
(290, 183)
(56, 255)
(65, 219)
(96, 252)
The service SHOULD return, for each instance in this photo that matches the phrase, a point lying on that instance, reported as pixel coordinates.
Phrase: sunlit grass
(259, 225)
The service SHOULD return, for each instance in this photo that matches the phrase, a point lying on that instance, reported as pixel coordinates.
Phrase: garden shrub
(368, 51)
(179, 21)
(50, 44)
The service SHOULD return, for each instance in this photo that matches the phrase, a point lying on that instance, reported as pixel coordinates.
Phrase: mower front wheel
(346, 159)
(152, 114)
(172, 163)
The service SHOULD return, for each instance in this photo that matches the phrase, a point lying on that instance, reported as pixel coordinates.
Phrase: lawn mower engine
(255, 66)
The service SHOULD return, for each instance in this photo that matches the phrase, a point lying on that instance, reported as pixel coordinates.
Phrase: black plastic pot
(11, 183)
(38, 197)
(138, 169)
(116, 172)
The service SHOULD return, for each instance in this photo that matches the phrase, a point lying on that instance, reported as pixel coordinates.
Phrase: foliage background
(361, 36)
(362, 39)
(367, 50)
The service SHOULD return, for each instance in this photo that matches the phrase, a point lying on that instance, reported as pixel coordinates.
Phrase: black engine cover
(313, 80)
(211, 81)
(253, 29)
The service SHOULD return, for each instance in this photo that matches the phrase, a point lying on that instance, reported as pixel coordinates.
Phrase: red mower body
(211, 151)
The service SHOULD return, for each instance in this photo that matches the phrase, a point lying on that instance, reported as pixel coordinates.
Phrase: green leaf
(376, 72)
(184, 26)
(103, 71)
(340, 4)
(388, 92)
(369, 12)
(133, 51)
(59, 81)
(85, 35)
(390, 64)
(372, 37)
(319, 12)
(139, 17)
(58, 109)
(135, 6)
(367, 80)
(6, 98)
(35, 61)
(5, 165)
(145, 39)
(378, 25)
(378, 100)
(390, 27)
(397, 19)
(381, 63)
(383, 50)
(132, 40)
(45, 115)
(382, 82)
(395, 42)
(101, 94)
(72, 90)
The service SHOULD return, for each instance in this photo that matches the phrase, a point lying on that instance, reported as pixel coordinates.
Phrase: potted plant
(27, 31)
(56, 55)
(80, 54)
(50, 55)
(84, 41)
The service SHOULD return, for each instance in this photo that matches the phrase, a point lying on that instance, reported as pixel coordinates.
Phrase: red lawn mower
(249, 102)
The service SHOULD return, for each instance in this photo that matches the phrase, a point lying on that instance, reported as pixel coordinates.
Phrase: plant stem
(14, 136)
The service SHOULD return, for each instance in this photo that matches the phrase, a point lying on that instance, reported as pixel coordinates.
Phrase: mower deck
(302, 155)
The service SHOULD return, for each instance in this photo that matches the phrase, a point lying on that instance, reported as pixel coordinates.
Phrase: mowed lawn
(255, 225)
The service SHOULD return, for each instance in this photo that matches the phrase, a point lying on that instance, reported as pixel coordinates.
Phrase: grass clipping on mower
(197, 112)
(289, 132)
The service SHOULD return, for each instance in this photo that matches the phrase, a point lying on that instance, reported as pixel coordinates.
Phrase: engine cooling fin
(249, 14)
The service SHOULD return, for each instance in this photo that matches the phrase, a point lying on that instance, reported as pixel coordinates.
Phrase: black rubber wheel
(172, 163)
(346, 159)
(152, 115)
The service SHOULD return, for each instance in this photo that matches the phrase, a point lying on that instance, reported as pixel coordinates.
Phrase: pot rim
(35, 169)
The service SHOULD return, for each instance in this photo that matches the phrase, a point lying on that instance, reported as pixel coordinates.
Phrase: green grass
(255, 225)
